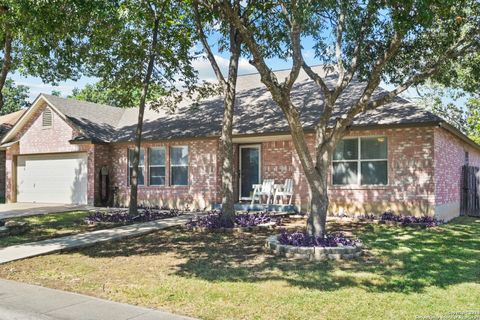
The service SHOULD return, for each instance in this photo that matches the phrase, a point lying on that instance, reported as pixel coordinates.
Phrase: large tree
(44, 38)
(206, 20)
(15, 97)
(103, 93)
(142, 44)
(454, 94)
(401, 42)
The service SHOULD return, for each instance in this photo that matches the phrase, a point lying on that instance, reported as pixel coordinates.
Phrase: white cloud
(205, 71)
(36, 88)
(202, 65)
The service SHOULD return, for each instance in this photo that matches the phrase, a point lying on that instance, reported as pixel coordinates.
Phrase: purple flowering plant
(302, 239)
(213, 220)
(122, 215)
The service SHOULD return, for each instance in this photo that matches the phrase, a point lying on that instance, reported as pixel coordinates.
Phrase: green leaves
(15, 97)
(48, 36)
(119, 53)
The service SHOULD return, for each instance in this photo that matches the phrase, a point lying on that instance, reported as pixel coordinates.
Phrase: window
(179, 165)
(141, 167)
(47, 118)
(157, 166)
(360, 161)
(466, 158)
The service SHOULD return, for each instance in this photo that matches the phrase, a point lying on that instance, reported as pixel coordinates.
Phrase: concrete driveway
(12, 210)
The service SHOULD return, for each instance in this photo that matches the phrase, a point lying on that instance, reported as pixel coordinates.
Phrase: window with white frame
(360, 161)
(141, 167)
(156, 163)
(179, 165)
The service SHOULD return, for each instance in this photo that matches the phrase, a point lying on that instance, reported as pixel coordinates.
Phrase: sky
(202, 65)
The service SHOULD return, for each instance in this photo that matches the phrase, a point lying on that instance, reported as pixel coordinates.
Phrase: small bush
(406, 220)
(213, 220)
(122, 216)
(302, 239)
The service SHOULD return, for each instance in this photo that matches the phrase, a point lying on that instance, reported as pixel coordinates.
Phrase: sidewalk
(19, 301)
(33, 249)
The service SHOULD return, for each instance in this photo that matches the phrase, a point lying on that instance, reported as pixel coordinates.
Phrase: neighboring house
(398, 157)
(6, 123)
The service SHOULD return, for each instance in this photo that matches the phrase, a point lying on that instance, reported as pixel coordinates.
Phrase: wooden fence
(469, 202)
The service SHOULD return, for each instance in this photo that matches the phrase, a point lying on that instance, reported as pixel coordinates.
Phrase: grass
(405, 273)
(50, 225)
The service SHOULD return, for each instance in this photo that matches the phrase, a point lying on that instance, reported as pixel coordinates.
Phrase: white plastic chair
(264, 189)
(284, 191)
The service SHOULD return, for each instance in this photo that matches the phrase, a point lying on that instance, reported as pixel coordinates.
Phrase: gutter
(88, 141)
(7, 145)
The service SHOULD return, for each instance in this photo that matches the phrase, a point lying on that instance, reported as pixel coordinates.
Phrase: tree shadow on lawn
(396, 259)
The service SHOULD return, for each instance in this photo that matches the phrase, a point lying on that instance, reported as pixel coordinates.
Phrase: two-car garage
(52, 178)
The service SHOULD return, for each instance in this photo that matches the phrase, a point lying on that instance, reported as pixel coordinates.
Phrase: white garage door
(58, 178)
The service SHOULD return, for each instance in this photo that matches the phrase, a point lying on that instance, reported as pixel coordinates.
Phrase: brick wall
(410, 188)
(34, 138)
(202, 176)
(410, 174)
(101, 157)
(449, 159)
(3, 158)
(277, 160)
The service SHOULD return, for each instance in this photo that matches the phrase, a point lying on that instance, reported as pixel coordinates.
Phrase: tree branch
(206, 46)
(268, 77)
(296, 48)
(372, 84)
(7, 59)
(356, 52)
(451, 54)
(338, 45)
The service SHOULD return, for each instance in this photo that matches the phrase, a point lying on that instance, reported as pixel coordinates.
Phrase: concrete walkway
(21, 301)
(13, 210)
(33, 249)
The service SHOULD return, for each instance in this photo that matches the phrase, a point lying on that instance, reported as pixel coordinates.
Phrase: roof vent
(47, 118)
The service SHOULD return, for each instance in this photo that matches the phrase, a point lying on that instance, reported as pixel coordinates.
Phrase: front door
(249, 169)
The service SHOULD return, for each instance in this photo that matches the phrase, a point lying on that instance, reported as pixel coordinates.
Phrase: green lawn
(50, 226)
(405, 273)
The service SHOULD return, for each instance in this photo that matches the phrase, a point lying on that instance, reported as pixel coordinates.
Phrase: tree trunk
(228, 209)
(316, 172)
(7, 63)
(316, 222)
(133, 208)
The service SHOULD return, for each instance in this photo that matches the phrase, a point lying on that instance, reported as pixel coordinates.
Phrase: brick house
(398, 157)
(7, 121)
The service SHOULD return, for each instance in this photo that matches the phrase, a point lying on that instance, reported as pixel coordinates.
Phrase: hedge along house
(399, 157)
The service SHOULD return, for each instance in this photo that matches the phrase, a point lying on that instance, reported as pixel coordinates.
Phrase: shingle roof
(7, 121)
(255, 113)
(96, 121)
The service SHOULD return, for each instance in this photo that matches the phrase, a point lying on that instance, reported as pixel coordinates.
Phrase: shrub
(213, 220)
(406, 220)
(402, 219)
(302, 239)
(122, 216)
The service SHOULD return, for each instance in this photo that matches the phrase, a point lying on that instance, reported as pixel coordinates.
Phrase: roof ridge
(46, 95)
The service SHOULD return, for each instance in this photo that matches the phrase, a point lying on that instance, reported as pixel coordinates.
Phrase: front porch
(256, 161)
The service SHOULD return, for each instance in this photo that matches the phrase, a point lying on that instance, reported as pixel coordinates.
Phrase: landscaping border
(313, 253)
